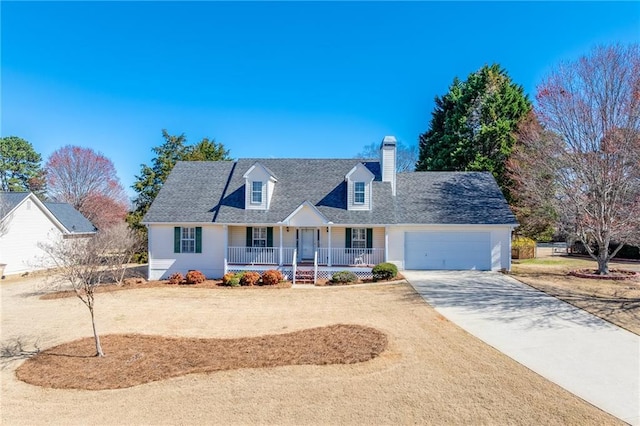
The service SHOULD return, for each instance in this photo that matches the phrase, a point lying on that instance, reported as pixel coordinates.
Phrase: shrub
(272, 277)
(344, 277)
(227, 277)
(195, 277)
(523, 248)
(234, 281)
(176, 278)
(384, 271)
(250, 278)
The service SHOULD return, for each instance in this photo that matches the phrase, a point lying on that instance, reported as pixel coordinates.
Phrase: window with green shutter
(187, 239)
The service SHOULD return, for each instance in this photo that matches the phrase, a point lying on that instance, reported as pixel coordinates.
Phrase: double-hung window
(256, 192)
(259, 237)
(188, 240)
(359, 238)
(358, 192)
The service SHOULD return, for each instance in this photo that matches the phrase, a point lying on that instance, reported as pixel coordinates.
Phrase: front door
(307, 244)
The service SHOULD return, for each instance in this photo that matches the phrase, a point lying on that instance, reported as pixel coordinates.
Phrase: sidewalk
(586, 355)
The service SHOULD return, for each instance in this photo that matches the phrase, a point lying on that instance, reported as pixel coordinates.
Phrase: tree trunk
(603, 262)
(95, 335)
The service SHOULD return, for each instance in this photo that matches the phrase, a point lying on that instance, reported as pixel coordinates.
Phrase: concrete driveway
(584, 354)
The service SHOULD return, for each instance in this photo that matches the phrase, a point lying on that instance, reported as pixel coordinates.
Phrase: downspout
(148, 252)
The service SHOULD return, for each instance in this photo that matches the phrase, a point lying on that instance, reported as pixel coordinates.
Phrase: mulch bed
(133, 359)
(134, 284)
(614, 274)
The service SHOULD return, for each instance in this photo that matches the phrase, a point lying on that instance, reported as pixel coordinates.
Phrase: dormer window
(259, 184)
(256, 192)
(359, 188)
(358, 193)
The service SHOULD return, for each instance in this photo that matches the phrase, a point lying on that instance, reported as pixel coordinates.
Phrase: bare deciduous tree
(86, 263)
(406, 155)
(586, 157)
(87, 180)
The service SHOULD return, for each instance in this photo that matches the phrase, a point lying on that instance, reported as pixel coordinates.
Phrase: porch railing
(339, 256)
(356, 256)
(254, 255)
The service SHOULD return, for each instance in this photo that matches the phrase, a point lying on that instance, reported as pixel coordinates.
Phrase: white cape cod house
(325, 215)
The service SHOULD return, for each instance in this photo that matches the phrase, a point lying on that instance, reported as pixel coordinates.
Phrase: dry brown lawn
(615, 301)
(432, 372)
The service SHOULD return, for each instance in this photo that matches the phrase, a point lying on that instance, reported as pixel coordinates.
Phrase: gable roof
(70, 218)
(9, 201)
(213, 192)
(63, 215)
(451, 198)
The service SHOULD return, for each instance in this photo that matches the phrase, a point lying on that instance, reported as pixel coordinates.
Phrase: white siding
(164, 262)
(28, 226)
(500, 245)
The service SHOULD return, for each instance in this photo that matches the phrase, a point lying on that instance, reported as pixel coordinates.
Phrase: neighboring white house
(325, 215)
(26, 221)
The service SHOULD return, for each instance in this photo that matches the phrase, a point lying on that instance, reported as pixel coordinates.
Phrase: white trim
(322, 217)
(265, 168)
(254, 192)
(356, 192)
(184, 239)
(355, 168)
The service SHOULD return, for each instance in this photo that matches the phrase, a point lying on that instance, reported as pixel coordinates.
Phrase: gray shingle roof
(9, 201)
(450, 198)
(72, 219)
(206, 192)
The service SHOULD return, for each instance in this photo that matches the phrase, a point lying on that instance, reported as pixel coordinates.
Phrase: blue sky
(288, 79)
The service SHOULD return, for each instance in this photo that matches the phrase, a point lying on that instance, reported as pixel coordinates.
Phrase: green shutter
(270, 236)
(347, 238)
(249, 236)
(369, 238)
(176, 239)
(198, 239)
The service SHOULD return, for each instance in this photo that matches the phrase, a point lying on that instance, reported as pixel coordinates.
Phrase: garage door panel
(448, 250)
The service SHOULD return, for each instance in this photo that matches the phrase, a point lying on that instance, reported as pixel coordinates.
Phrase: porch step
(304, 276)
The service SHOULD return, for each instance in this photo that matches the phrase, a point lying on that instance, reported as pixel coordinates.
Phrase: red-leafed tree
(88, 181)
(584, 157)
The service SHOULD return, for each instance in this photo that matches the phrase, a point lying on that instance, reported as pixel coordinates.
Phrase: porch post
(280, 253)
(386, 243)
(225, 230)
(330, 248)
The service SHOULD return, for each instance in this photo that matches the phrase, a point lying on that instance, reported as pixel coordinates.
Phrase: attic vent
(28, 204)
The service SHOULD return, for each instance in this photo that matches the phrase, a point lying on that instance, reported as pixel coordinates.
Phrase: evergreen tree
(472, 126)
(20, 168)
(152, 177)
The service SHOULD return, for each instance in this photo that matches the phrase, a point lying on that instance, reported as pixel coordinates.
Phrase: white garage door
(447, 250)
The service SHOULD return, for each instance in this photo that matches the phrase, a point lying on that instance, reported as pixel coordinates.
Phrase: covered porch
(305, 241)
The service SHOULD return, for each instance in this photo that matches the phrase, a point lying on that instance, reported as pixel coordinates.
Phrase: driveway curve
(584, 354)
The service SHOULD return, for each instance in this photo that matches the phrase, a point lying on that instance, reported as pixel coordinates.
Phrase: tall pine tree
(152, 177)
(472, 127)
